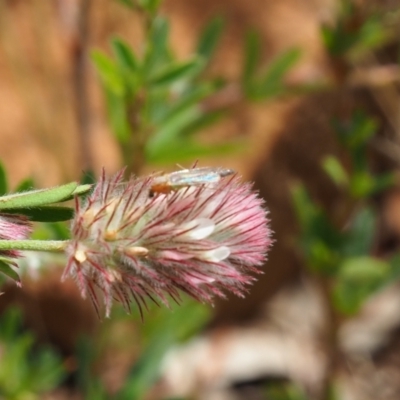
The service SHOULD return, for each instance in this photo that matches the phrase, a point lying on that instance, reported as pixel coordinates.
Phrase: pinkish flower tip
(14, 227)
(134, 241)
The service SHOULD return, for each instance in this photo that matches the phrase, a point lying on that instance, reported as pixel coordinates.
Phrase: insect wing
(189, 177)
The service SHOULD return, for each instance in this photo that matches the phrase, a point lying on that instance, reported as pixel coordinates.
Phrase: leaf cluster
(156, 103)
(26, 372)
(342, 251)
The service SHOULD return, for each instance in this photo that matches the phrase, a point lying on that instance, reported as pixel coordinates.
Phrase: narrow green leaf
(361, 233)
(116, 109)
(45, 213)
(251, 56)
(7, 270)
(185, 101)
(175, 72)
(272, 81)
(358, 279)
(203, 121)
(384, 182)
(168, 133)
(335, 170)
(3, 180)
(124, 55)
(150, 5)
(187, 150)
(209, 38)
(156, 51)
(108, 72)
(37, 198)
(363, 268)
(305, 208)
(80, 190)
(361, 184)
(25, 185)
(127, 3)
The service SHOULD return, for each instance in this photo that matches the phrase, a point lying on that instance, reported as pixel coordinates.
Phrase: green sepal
(37, 198)
(79, 191)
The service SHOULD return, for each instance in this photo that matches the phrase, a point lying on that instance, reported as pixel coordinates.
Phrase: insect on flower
(188, 177)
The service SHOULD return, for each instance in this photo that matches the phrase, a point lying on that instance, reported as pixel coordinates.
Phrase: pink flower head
(202, 239)
(13, 227)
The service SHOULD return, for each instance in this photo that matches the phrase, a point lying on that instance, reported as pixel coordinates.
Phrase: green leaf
(185, 101)
(361, 184)
(117, 113)
(80, 190)
(157, 46)
(360, 236)
(251, 56)
(176, 325)
(37, 198)
(45, 213)
(25, 185)
(170, 131)
(146, 369)
(128, 3)
(175, 72)
(358, 279)
(127, 62)
(108, 72)
(355, 133)
(305, 209)
(363, 269)
(150, 5)
(321, 242)
(187, 150)
(124, 54)
(7, 270)
(335, 170)
(271, 83)
(209, 38)
(3, 180)
(203, 121)
(383, 182)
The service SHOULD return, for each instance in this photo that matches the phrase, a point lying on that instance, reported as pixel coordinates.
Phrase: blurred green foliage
(163, 329)
(342, 250)
(26, 370)
(156, 103)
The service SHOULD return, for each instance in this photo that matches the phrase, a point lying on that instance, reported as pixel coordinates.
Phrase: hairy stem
(34, 245)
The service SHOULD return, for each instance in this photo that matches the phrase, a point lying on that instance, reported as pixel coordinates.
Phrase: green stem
(34, 245)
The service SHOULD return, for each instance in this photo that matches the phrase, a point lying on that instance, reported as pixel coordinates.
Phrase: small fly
(188, 177)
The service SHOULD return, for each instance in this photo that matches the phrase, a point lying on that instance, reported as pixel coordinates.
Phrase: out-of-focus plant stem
(133, 152)
(80, 74)
(330, 340)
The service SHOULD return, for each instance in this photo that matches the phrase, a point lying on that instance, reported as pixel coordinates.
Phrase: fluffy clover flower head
(133, 244)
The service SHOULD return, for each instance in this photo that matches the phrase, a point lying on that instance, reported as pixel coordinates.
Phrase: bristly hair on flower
(130, 244)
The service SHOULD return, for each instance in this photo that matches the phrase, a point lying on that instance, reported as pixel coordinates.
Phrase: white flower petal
(216, 255)
(198, 228)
